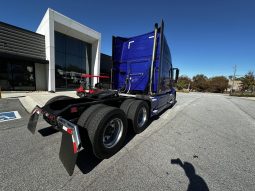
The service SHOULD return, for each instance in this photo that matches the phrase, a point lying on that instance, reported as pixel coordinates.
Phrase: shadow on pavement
(47, 131)
(87, 161)
(15, 97)
(131, 134)
(196, 182)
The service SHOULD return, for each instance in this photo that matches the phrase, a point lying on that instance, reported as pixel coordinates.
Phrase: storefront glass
(16, 75)
(72, 58)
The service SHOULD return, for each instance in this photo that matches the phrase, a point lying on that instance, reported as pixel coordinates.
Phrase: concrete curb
(249, 98)
(28, 103)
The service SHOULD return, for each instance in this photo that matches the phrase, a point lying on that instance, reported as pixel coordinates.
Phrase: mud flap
(33, 119)
(66, 154)
(70, 144)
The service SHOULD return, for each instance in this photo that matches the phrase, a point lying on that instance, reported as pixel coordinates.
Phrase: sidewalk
(30, 99)
(250, 98)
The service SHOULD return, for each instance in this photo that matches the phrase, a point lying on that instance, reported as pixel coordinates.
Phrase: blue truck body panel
(132, 58)
(161, 102)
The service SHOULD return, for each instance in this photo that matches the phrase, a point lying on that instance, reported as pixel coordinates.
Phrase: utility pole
(233, 79)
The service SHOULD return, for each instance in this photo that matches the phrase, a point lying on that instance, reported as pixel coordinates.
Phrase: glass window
(60, 42)
(165, 80)
(16, 75)
(60, 69)
(5, 75)
(23, 76)
(60, 61)
(73, 47)
(73, 63)
(72, 59)
(74, 70)
(83, 65)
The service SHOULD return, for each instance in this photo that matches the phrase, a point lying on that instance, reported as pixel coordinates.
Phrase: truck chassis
(106, 115)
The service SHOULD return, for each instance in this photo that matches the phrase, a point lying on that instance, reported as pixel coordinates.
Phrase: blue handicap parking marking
(11, 115)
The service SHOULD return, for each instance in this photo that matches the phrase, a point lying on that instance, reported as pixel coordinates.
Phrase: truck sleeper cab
(142, 86)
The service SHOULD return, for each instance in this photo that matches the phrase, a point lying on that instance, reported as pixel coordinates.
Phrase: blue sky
(205, 36)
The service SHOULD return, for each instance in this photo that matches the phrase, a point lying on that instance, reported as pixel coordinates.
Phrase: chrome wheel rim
(112, 132)
(142, 117)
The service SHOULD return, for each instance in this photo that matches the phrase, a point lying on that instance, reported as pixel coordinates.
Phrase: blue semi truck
(142, 79)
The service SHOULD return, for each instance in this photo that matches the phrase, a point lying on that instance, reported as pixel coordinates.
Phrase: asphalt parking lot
(206, 141)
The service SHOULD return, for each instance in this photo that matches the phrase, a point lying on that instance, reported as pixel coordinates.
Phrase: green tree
(200, 83)
(248, 82)
(217, 84)
(184, 82)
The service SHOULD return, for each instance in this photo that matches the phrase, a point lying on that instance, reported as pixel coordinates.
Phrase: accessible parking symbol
(11, 115)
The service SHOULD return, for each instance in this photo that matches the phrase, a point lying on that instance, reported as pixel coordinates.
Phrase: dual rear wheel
(137, 112)
(106, 126)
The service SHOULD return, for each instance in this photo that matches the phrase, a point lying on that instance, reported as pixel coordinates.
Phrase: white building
(53, 57)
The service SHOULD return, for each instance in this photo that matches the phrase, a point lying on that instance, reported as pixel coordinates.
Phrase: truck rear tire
(83, 123)
(126, 105)
(138, 114)
(107, 130)
(84, 118)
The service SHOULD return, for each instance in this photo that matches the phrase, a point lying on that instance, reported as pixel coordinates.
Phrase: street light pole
(233, 79)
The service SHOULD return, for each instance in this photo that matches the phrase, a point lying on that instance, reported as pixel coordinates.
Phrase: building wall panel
(21, 42)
